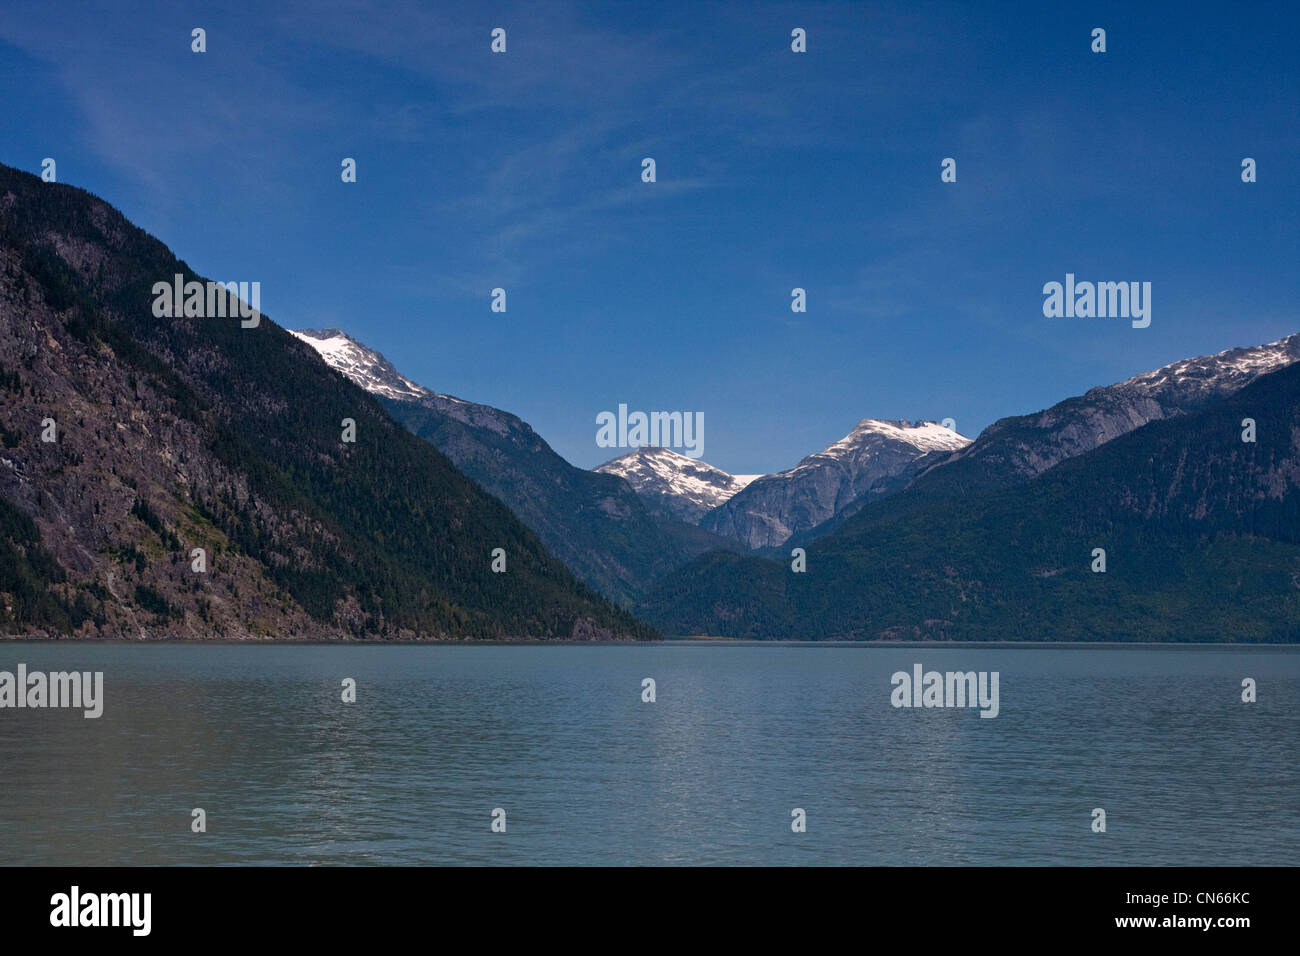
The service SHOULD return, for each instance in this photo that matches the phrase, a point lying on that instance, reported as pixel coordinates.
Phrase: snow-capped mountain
(364, 366)
(378, 376)
(673, 485)
(862, 463)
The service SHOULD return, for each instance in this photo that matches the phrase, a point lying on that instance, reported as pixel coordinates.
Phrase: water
(708, 774)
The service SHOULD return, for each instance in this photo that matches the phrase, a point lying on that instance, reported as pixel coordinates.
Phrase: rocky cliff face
(115, 497)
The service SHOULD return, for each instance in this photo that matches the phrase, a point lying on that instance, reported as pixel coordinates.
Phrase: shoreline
(702, 641)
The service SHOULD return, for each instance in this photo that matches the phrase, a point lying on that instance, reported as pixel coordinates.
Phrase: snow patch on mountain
(925, 437)
(364, 366)
(674, 485)
(1231, 367)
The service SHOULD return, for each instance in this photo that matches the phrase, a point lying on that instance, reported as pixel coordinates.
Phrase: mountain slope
(1017, 448)
(673, 485)
(1200, 531)
(183, 433)
(859, 466)
(597, 525)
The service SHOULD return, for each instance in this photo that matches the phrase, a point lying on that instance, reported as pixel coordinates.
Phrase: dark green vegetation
(26, 571)
(381, 538)
(598, 526)
(1201, 533)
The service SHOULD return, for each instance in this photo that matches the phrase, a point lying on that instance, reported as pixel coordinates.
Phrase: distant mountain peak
(868, 461)
(926, 436)
(364, 366)
(673, 484)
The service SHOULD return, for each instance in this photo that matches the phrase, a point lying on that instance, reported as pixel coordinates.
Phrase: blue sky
(775, 170)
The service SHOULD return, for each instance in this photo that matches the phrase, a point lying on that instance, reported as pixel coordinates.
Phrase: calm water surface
(708, 774)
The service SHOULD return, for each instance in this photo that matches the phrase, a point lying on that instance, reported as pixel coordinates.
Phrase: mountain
(177, 434)
(1018, 448)
(861, 465)
(595, 523)
(1201, 533)
(673, 485)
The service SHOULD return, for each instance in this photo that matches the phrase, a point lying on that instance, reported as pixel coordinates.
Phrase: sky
(774, 170)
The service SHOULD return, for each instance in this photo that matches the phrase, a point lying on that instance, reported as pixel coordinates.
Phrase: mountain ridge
(862, 464)
(593, 522)
(1018, 447)
(1199, 530)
